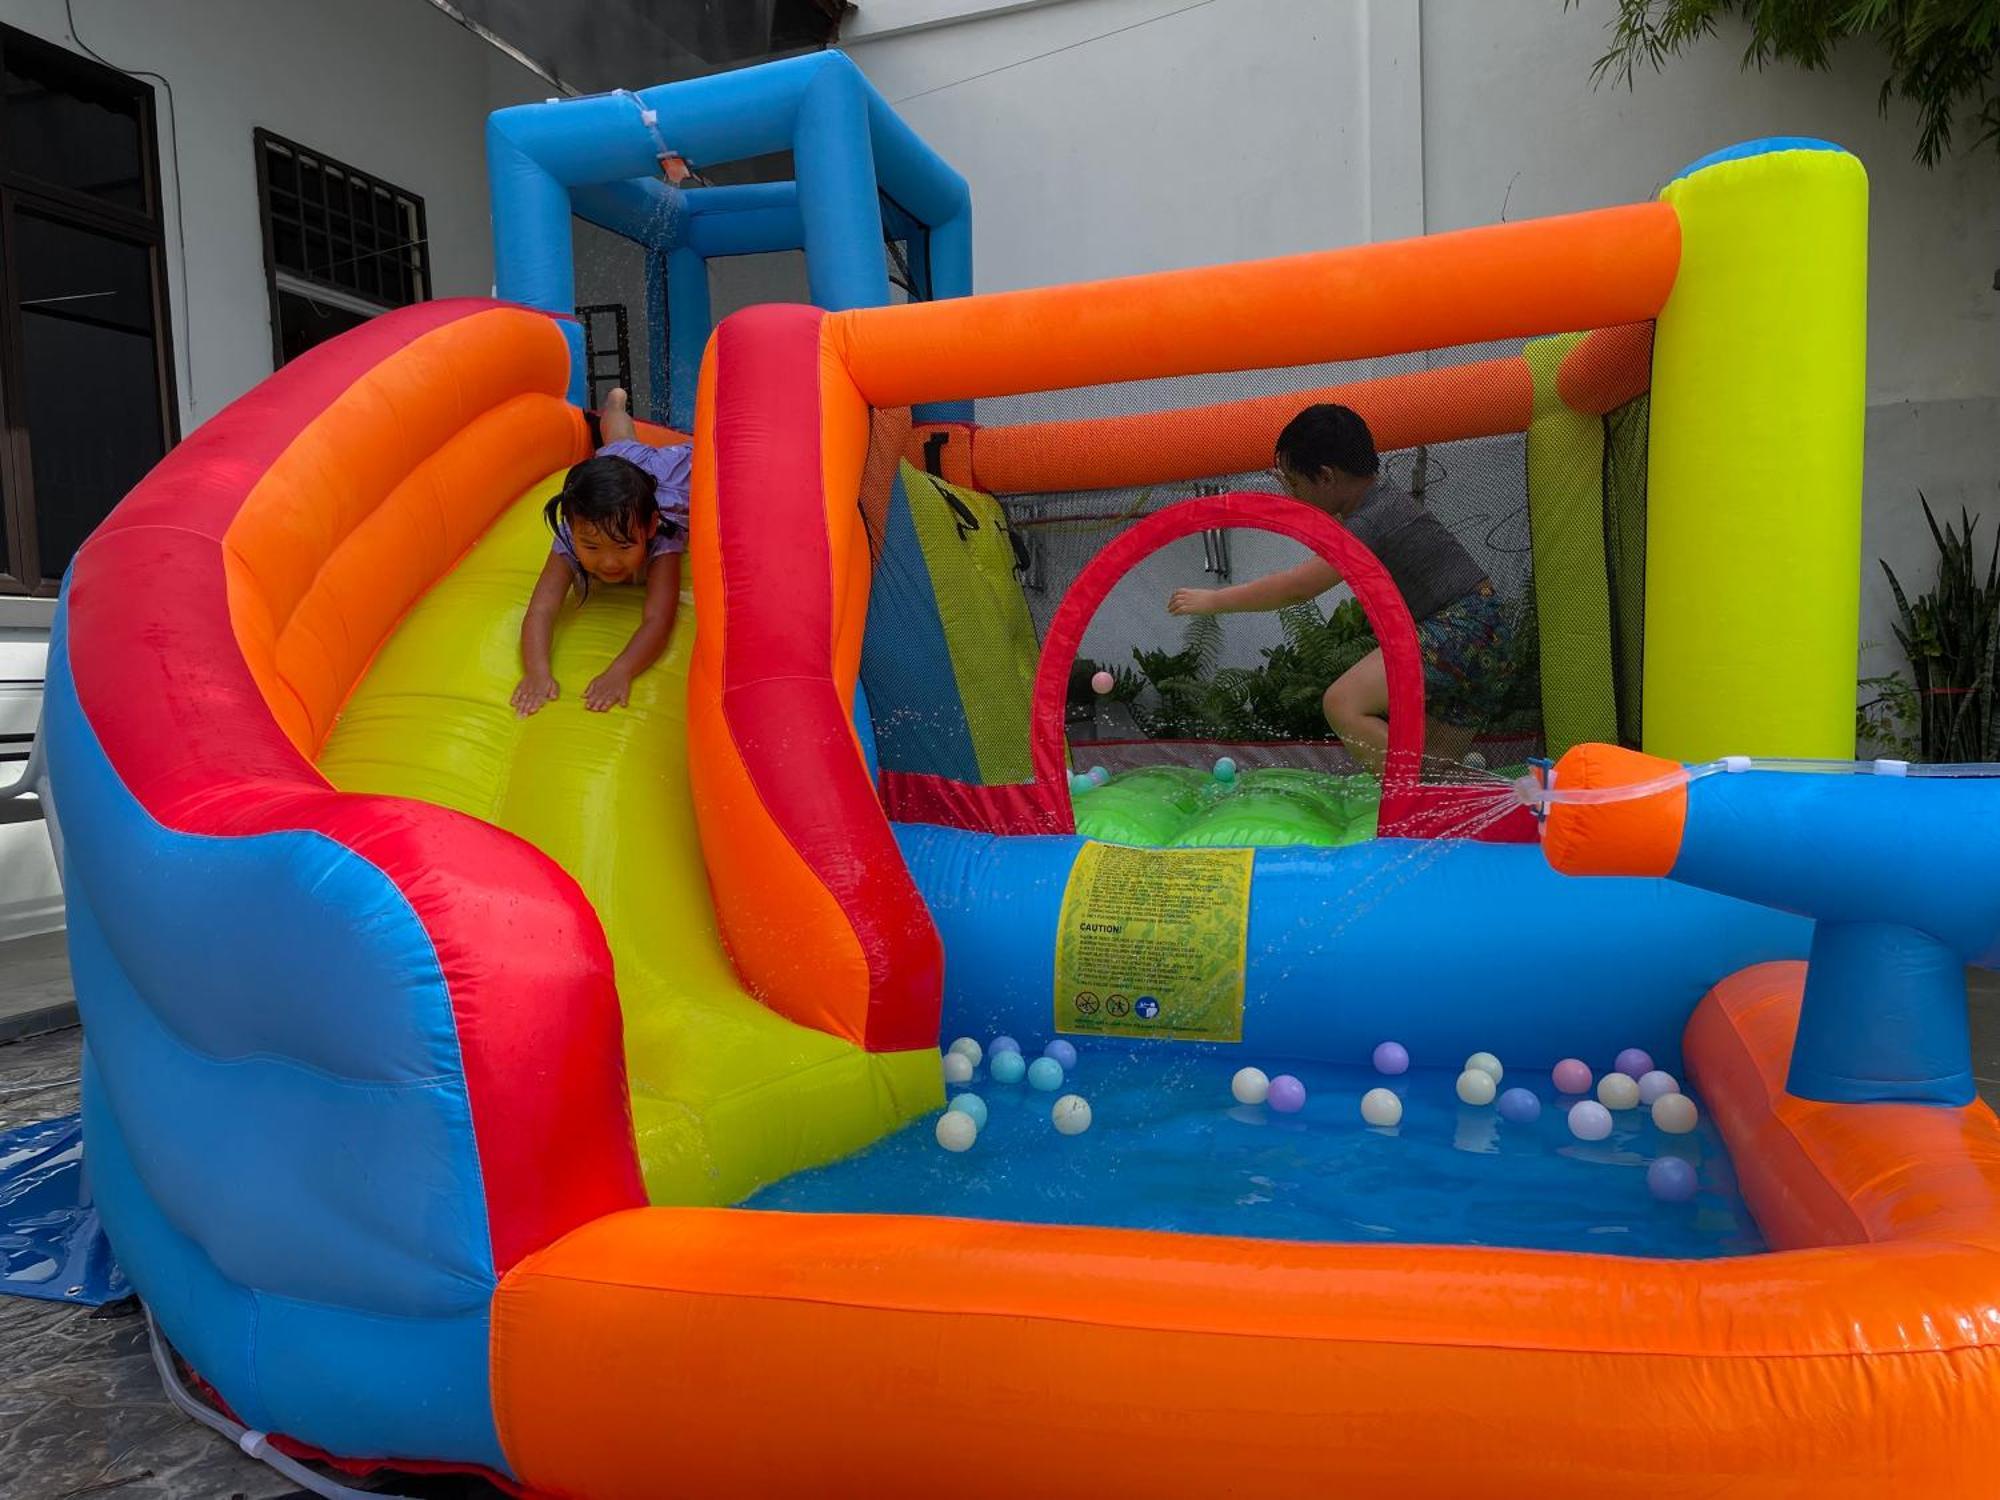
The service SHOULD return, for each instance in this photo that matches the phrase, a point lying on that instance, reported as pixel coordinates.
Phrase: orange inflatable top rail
(1591, 270)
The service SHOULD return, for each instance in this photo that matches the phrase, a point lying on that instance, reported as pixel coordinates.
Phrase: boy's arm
(538, 684)
(1294, 585)
(613, 686)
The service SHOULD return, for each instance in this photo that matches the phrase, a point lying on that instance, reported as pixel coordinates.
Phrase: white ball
(1070, 1114)
(970, 1048)
(1618, 1091)
(1589, 1121)
(1655, 1085)
(1476, 1086)
(956, 1130)
(1381, 1107)
(1486, 1062)
(1250, 1086)
(1675, 1113)
(957, 1068)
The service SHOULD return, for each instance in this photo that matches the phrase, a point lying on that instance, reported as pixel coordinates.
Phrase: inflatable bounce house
(559, 1098)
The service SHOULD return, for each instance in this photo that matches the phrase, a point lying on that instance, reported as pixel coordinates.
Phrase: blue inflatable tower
(862, 177)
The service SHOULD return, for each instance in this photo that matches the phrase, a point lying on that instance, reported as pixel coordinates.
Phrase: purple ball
(1392, 1058)
(1671, 1180)
(1062, 1052)
(1287, 1096)
(1520, 1107)
(1634, 1062)
(1572, 1076)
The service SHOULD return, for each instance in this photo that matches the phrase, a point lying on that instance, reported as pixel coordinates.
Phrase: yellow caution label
(1152, 943)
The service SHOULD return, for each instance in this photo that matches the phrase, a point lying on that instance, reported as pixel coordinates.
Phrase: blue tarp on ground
(52, 1244)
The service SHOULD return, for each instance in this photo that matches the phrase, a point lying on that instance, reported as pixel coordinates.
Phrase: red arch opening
(1374, 590)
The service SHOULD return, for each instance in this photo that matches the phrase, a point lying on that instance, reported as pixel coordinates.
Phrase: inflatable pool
(432, 1055)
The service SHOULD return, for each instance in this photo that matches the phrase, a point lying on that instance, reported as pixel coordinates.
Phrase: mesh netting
(1531, 454)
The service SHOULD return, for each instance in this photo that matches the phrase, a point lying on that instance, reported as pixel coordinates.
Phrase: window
(339, 246)
(86, 372)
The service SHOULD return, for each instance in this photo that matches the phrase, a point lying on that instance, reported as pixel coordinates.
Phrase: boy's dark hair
(1328, 436)
(613, 494)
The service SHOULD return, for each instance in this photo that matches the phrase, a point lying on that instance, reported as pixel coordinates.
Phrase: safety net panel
(1508, 509)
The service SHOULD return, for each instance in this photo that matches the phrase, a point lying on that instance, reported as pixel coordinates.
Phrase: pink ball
(1287, 1096)
(1636, 1062)
(1572, 1076)
(1392, 1058)
(1102, 682)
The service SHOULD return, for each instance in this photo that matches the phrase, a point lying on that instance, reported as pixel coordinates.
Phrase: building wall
(1104, 137)
(392, 87)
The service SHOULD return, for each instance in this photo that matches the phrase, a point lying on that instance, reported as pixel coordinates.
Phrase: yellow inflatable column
(1753, 533)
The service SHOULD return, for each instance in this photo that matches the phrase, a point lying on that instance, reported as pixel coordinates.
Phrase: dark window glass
(341, 228)
(304, 322)
(68, 124)
(89, 376)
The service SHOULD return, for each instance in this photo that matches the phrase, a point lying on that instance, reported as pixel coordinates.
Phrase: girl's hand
(536, 691)
(1191, 602)
(611, 688)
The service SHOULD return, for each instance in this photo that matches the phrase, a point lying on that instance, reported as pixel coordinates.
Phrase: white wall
(392, 87)
(1104, 137)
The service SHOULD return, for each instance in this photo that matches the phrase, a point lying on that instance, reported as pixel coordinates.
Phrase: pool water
(1169, 1148)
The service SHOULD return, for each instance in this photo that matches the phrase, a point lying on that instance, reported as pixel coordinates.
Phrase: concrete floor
(81, 1413)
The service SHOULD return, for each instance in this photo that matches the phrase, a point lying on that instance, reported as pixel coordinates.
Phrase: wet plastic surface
(1177, 806)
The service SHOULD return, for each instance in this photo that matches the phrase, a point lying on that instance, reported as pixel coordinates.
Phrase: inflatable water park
(907, 1046)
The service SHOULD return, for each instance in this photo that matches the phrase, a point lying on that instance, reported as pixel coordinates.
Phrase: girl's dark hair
(1328, 437)
(613, 494)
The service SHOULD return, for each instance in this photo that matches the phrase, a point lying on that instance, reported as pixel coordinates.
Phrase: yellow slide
(606, 796)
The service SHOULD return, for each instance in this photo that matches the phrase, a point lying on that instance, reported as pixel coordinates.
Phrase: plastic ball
(1475, 761)
(1675, 1113)
(1618, 1091)
(1475, 1086)
(1099, 775)
(1250, 1086)
(1287, 1095)
(1671, 1180)
(957, 1068)
(1062, 1051)
(956, 1130)
(970, 1048)
(1102, 682)
(1589, 1121)
(1070, 1114)
(1392, 1058)
(1225, 769)
(1572, 1076)
(1520, 1107)
(1656, 1085)
(1381, 1107)
(1008, 1067)
(1634, 1062)
(1078, 782)
(1001, 1044)
(970, 1104)
(1046, 1074)
(1486, 1062)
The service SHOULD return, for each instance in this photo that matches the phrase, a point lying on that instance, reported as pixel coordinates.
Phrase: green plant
(1885, 715)
(1951, 634)
(1942, 54)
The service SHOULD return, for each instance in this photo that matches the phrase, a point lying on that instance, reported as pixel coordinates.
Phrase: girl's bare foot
(615, 420)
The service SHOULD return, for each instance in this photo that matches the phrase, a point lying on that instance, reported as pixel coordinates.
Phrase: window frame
(279, 281)
(73, 209)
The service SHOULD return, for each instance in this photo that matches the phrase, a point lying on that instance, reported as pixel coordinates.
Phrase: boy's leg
(616, 418)
(1356, 706)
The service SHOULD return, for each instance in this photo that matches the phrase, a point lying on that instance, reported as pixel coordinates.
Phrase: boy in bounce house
(1326, 457)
